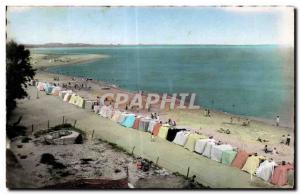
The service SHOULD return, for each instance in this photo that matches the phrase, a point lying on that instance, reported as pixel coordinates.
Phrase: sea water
(256, 81)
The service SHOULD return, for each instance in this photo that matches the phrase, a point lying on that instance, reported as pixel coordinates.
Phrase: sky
(151, 25)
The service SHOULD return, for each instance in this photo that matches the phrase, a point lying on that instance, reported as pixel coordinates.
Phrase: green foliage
(15, 131)
(18, 72)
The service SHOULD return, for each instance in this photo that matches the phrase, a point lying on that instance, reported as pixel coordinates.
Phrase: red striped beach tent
(240, 159)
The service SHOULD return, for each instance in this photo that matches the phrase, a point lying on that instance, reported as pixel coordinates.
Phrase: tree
(18, 72)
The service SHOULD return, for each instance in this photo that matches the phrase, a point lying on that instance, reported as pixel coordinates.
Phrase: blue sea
(254, 81)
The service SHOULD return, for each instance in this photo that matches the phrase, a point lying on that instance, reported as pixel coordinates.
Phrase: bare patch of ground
(34, 164)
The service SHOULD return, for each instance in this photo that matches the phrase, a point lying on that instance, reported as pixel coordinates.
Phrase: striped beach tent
(191, 142)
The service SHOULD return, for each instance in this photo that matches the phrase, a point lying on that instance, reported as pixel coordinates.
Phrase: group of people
(171, 123)
(284, 140)
(155, 116)
(273, 151)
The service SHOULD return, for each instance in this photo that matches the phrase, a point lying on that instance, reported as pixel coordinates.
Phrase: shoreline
(95, 57)
(242, 137)
(62, 60)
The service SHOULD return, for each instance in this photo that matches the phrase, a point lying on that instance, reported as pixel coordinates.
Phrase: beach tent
(156, 128)
(106, 111)
(67, 97)
(129, 121)
(151, 125)
(110, 112)
(41, 86)
(122, 117)
(63, 93)
(80, 102)
(228, 156)
(181, 137)
(252, 164)
(265, 170)
(116, 115)
(191, 142)
(240, 159)
(144, 124)
(200, 145)
(89, 105)
(172, 133)
(207, 149)
(73, 99)
(291, 178)
(280, 175)
(56, 90)
(96, 108)
(163, 131)
(217, 150)
(136, 123)
(103, 111)
(48, 89)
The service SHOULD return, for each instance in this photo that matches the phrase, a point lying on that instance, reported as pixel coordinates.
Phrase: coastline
(76, 59)
(44, 61)
(195, 119)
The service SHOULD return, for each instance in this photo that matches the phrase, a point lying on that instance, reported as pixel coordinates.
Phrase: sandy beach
(42, 61)
(39, 108)
(244, 137)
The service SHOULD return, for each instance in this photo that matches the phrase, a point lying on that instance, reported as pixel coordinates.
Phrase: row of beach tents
(226, 154)
(66, 95)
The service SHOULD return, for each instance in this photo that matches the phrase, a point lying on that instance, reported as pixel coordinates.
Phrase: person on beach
(266, 150)
(277, 121)
(170, 122)
(274, 151)
(174, 123)
(152, 116)
(155, 116)
(219, 143)
(288, 140)
(208, 112)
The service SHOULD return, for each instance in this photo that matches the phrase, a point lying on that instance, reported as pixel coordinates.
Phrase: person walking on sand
(288, 140)
(277, 121)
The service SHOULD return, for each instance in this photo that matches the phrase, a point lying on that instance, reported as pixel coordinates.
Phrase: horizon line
(141, 44)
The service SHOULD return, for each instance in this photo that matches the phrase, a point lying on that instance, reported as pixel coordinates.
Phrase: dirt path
(171, 156)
